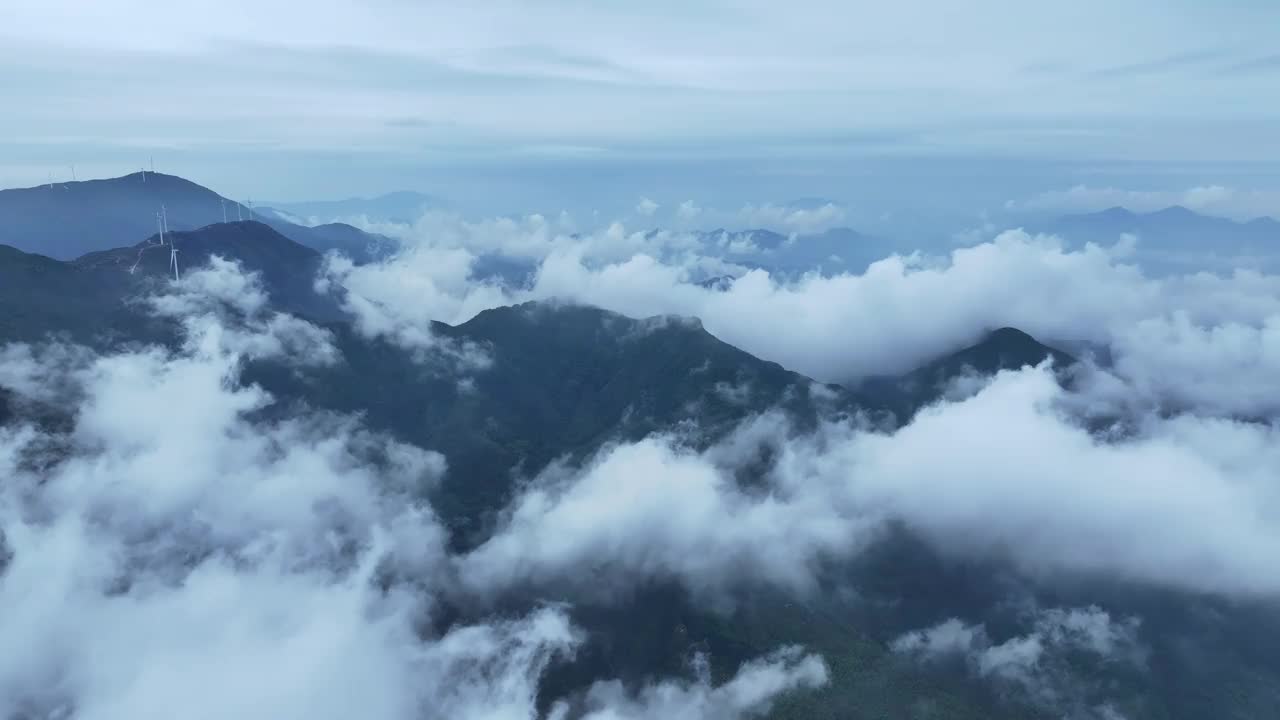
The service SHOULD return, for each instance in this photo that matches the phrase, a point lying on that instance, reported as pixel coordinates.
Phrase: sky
(515, 106)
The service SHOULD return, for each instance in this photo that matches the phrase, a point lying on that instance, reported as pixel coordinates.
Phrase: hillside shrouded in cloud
(173, 551)
(1005, 472)
(146, 519)
(1160, 333)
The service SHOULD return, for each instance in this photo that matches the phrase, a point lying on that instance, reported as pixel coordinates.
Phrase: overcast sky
(326, 98)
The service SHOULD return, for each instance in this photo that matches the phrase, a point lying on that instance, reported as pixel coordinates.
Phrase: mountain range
(1176, 238)
(563, 381)
(584, 375)
(397, 207)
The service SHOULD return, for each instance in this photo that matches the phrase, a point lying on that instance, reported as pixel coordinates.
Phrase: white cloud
(687, 211)
(1215, 369)
(786, 219)
(748, 694)
(43, 375)
(646, 207)
(1036, 663)
(223, 308)
(619, 517)
(398, 300)
(1179, 338)
(179, 560)
(1007, 473)
(531, 238)
(950, 637)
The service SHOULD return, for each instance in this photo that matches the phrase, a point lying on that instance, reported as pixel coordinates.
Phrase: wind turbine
(223, 202)
(173, 260)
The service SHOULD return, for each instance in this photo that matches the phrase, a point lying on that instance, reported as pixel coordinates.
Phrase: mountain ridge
(67, 220)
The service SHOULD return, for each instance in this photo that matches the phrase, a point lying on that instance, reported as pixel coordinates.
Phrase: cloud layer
(1196, 340)
(1008, 473)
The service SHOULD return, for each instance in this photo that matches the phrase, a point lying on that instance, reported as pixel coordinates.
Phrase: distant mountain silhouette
(398, 207)
(362, 247)
(1176, 237)
(66, 220)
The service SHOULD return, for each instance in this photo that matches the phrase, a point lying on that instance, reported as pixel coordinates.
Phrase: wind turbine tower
(173, 260)
(160, 226)
(223, 203)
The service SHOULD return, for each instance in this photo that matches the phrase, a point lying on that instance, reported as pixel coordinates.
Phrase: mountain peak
(1005, 348)
(1176, 212)
(1008, 348)
(68, 220)
(253, 243)
(1009, 335)
(1116, 213)
(565, 314)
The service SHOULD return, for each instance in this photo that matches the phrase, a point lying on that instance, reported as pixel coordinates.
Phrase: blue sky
(518, 103)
